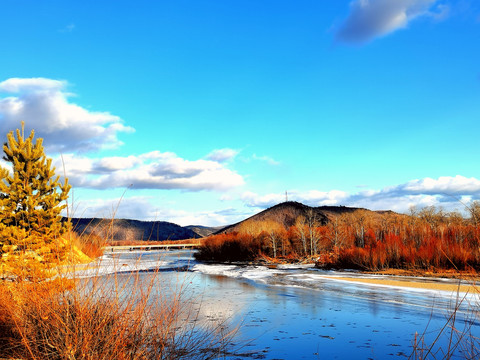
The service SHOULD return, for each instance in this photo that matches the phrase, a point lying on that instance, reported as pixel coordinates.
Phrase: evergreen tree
(31, 198)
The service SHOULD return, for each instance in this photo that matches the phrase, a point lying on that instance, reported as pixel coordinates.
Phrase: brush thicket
(129, 316)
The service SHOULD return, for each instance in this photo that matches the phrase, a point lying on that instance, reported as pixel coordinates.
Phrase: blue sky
(205, 112)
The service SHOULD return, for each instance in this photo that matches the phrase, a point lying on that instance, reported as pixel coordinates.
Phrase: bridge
(150, 247)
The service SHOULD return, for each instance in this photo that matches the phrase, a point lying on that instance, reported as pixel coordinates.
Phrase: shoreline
(389, 277)
(409, 278)
(462, 288)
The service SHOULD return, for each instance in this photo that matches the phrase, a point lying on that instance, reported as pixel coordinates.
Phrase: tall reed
(459, 333)
(126, 316)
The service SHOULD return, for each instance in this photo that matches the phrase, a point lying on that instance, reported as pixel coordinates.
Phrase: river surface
(298, 312)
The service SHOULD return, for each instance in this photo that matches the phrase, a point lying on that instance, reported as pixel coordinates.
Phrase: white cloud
(16, 85)
(441, 13)
(222, 155)
(66, 127)
(206, 218)
(67, 29)
(116, 163)
(254, 200)
(445, 184)
(312, 197)
(333, 197)
(5, 165)
(369, 19)
(153, 170)
(446, 191)
(269, 160)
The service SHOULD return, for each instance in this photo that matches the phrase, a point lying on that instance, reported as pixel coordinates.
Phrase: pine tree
(31, 199)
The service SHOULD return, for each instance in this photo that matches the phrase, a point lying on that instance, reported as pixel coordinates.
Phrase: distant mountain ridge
(129, 230)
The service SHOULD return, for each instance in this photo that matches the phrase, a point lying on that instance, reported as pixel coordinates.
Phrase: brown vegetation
(103, 318)
(230, 247)
(360, 239)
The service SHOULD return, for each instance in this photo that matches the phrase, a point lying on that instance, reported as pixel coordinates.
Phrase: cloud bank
(77, 132)
(153, 170)
(222, 155)
(446, 191)
(369, 19)
(65, 127)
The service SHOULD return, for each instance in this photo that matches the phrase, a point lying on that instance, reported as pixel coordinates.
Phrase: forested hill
(127, 230)
(288, 212)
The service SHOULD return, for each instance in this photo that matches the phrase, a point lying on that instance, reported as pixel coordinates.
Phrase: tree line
(423, 239)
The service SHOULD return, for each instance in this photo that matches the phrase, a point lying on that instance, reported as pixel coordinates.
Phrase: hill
(288, 212)
(129, 230)
(204, 231)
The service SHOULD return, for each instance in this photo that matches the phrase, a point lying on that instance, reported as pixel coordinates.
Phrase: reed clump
(104, 317)
(231, 247)
(89, 244)
(459, 333)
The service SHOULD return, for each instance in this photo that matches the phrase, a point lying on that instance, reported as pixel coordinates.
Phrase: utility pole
(286, 196)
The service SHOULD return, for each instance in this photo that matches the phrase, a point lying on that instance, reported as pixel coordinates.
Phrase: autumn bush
(425, 240)
(90, 245)
(231, 247)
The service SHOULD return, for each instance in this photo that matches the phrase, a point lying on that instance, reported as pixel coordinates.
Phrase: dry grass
(460, 333)
(105, 317)
(91, 244)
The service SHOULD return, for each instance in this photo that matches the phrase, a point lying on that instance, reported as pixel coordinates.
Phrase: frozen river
(298, 312)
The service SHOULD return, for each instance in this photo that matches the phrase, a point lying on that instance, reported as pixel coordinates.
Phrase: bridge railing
(150, 247)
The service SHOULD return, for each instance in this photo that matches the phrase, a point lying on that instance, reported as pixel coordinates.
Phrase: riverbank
(468, 282)
(472, 288)
(416, 279)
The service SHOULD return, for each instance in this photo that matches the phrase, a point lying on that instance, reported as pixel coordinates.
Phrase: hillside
(204, 231)
(123, 229)
(287, 213)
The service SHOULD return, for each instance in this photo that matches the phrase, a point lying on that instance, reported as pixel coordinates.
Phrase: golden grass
(105, 317)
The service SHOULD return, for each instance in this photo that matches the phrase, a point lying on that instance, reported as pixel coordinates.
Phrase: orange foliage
(231, 247)
(436, 241)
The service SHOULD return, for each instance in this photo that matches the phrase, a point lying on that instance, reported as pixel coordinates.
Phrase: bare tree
(360, 218)
(312, 226)
(474, 210)
(337, 231)
(300, 227)
(274, 231)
